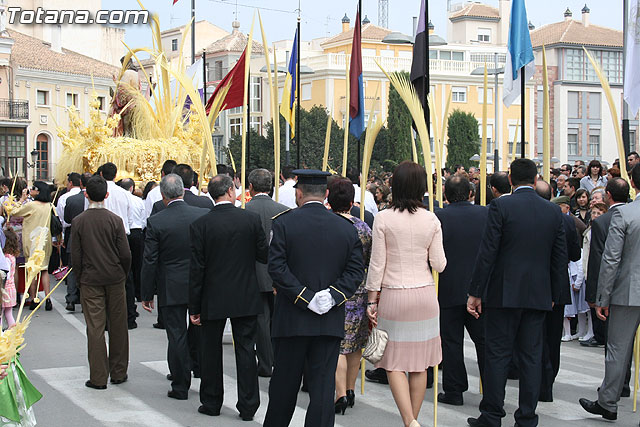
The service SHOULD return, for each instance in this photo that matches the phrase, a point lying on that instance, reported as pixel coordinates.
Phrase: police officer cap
(311, 177)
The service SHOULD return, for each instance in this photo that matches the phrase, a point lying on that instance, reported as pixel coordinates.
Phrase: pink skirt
(411, 319)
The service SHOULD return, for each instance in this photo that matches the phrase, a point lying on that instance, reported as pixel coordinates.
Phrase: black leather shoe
(48, 305)
(32, 305)
(246, 417)
(591, 343)
(208, 411)
(593, 407)
(450, 399)
(132, 325)
(341, 405)
(158, 325)
(476, 422)
(96, 387)
(377, 376)
(169, 377)
(175, 395)
(71, 306)
(351, 398)
(120, 381)
(626, 391)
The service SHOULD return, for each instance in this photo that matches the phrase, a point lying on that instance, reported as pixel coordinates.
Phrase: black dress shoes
(71, 306)
(476, 422)
(351, 398)
(93, 386)
(208, 411)
(120, 381)
(175, 395)
(158, 325)
(593, 407)
(246, 417)
(377, 375)
(593, 342)
(450, 399)
(48, 305)
(132, 325)
(169, 377)
(341, 405)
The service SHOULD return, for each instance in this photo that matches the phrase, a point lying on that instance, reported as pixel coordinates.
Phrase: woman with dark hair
(594, 178)
(36, 215)
(407, 240)
(150, 186)
(582, 200)
(382, 197)
(356, 324)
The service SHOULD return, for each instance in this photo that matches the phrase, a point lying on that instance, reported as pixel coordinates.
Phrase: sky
(323, 17)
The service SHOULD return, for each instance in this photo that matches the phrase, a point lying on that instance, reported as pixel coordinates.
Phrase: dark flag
(419, 63)
(356, 85)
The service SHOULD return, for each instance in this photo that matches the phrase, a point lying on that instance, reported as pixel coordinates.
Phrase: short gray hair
(219, 185)
(262, 180)
(171, 186)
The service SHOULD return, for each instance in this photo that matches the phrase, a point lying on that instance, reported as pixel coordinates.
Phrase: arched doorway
(42, 164)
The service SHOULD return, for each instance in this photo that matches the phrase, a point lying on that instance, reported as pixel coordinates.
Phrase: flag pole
(204, 77)
(625, 107)
(522, 114)
(298, 95)
(193, 31)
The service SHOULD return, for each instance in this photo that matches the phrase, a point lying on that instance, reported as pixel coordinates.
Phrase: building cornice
(53, 77)
(474, 18)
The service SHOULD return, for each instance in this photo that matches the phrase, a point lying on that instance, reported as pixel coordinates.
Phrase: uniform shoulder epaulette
(281, 213)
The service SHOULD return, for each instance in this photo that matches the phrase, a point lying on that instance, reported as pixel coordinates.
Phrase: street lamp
(495, 71)
(34, 160)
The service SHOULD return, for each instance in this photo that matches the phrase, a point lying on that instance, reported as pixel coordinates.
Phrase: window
(449, 55)
(540, 104)
(42, 97)
(235, 110)
(573, 107)
(481, 95)
(457, 56)
(433, 54)
(484, 35)
(512, 136)
(235, 126)
(13, 149)
(42, 164)
(445, 54)
(632, 140)
(594, 105)
(594, 143)
(459, 94)
(256, 94)
(102, 101)
(489, 58)
(572, 142)
(489, 137)
(578, 67)
(306, 92)
(72, 99)
(256, 124)
(174, 45)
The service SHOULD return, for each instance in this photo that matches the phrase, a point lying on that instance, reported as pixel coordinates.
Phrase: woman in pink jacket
(407, 240)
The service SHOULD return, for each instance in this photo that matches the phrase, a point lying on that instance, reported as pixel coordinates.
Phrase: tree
(463, 139)
(398, 143)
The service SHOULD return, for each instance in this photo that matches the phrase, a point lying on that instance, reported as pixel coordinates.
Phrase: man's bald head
(543, 189)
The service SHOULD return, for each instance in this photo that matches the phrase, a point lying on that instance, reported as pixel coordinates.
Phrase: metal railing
(14, 110)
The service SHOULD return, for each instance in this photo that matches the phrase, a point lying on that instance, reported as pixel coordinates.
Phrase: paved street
(55, 359)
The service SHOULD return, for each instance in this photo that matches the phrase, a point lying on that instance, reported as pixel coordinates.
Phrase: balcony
(337, 61)
(14, 110)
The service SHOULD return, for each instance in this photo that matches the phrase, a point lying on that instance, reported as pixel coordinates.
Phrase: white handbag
(376, 344)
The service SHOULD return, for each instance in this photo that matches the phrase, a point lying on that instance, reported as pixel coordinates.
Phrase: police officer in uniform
(315, 261)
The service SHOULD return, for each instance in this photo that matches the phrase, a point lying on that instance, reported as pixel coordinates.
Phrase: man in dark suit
(165, 269)
(226, 243)
(553, 324)
(315, 261)
(76, 204)
(517, 277)
(260, 183)
(462, 226)
(185, 172)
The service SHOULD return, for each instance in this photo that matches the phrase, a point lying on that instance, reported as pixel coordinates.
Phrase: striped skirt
(411, 318)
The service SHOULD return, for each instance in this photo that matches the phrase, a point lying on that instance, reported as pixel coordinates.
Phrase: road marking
(113, 407)
(71, 318)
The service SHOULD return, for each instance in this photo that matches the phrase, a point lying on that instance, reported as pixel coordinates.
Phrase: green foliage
(463, 139)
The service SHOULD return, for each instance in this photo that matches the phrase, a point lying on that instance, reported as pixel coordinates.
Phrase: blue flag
(519, 53)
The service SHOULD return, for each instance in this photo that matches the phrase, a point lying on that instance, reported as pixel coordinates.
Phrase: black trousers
(264, 350)
(193, 337)
(211, 385)
(320, 354)
(507, 329)
(131, 300)
(453, 321)
(599, 328)
(552, 340)
(136, 244)
(178, 349)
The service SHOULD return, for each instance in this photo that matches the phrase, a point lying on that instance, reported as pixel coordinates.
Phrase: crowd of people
(303, 280)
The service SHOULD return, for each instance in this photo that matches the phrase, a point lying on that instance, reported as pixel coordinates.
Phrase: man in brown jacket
(101, 262)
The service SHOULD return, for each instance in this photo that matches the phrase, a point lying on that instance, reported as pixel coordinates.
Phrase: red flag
(235, 95)
(175, 1)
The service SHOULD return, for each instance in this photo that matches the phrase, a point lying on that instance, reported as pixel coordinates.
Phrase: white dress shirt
(119, 202)
(62, 202)
(287, 194)
(138, 218)
(153, 196)
(369, 201)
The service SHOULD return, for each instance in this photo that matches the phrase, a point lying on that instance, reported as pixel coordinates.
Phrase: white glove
(321, 302)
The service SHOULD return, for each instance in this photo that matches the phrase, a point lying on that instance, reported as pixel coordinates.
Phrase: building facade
(581, 123)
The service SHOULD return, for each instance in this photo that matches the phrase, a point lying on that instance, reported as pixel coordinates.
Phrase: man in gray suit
(619, 299)
(260, 183)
